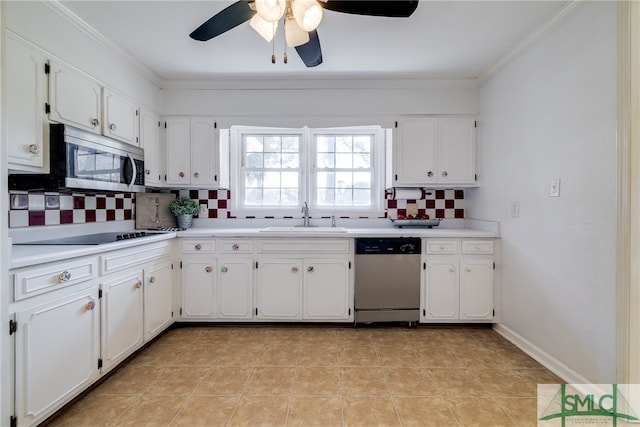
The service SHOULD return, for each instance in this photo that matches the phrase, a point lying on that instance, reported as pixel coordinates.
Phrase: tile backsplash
(39, 208)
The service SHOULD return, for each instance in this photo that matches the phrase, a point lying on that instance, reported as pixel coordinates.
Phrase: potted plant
(184, 209)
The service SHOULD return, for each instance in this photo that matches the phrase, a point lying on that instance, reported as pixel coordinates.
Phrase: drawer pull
(95, 122)
(224, 269)
(429, 174)
(197, 247)
(294, 269)
(65, 276)
(112, 126)
(452, 269)
(441, 248)
(467, 269)
(235, 247)
(208, 269)
(34, 149)
(152, 279)
(90, 305)
(445, 173)
(181, 174)
(138, 284)
(196, 175)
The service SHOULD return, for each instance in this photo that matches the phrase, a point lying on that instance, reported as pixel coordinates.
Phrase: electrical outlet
(554, 188)
(203, 209)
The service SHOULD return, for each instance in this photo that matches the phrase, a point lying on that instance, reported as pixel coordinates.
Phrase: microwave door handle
(133, 169)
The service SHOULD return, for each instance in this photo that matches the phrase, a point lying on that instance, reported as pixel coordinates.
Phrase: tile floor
(323, 376)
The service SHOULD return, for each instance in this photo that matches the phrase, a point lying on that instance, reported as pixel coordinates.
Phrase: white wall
(552, 114)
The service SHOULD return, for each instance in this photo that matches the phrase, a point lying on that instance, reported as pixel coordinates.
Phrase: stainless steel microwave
(83, 160)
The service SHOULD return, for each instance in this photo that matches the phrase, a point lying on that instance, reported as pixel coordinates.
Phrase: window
(275, 171)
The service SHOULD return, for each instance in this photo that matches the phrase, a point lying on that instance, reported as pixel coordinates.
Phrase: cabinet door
(75, 98)
(150, 141)
(25, 95)
(279, 288)
(122, 320)
(120, 118)
(57, 351)
(199, 289)
(476, 288)
(326, 289)
(158, 296)
(204, 157)
(178, 150)
(235, 288)
(414, 151)
(441, 288)
(456, 151)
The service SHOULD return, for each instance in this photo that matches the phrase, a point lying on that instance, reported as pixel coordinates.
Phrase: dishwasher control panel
(388, 245)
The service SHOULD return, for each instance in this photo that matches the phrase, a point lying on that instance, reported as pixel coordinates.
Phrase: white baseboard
(542, 357)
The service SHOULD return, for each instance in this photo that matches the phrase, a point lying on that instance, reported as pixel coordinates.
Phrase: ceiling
(441, 40)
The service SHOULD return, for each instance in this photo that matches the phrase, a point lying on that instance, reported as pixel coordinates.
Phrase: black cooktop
(92, 239)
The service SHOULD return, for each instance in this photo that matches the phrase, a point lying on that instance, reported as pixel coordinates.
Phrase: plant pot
(184, 221)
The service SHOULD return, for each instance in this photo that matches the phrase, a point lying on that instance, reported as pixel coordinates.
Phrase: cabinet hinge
(47, 68)
(349, 265)
(13, 327)
(47, 108)
(13, 421)
(159, 124)
(99, 363)
(424, 265)
(180, 311)
(215, 125)
(256, 311)
(475, 124)
(256, 267)
(349, 312)
(396, 177)
(215, 177)
(180, 264)
(172, 314)
(165, 125)
(475, 177)
(494, 312)
(424, 312)
(494, 265)
(172, 266)
(137, 113)
(137, 139)
(396, 124)
(99, 293)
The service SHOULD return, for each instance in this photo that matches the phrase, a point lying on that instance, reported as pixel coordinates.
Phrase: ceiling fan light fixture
(271, 10)
(294, 35)
(308, 13)
(265, 28)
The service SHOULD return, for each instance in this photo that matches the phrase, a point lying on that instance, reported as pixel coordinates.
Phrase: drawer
(302, 246)
(201, 246)
(442, 246)
(477, 246)
(48, 277)
(133, 257)
(238, 246)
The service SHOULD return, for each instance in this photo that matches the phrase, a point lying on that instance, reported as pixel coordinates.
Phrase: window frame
(308, 172)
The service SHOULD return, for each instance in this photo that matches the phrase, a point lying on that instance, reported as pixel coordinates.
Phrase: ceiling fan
(301, 18)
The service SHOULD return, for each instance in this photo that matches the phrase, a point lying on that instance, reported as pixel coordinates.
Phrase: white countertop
(26, 255)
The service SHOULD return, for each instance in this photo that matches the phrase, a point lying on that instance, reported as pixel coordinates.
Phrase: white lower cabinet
(198, 289)
(122, 316)
(235, 288)
(56, 353)
(326, 289)
(279, 289)
(458, 280)
(158, 299)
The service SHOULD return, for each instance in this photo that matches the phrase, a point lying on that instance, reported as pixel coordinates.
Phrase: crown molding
(538, 34)
(82, 25)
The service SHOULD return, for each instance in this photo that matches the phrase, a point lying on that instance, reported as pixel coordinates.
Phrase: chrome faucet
(305, 211)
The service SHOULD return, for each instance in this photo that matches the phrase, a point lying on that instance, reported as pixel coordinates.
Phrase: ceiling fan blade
(310, 52)
(389, 8)
(223, 21)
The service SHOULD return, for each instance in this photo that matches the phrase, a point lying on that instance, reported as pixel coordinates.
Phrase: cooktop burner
(93, 239)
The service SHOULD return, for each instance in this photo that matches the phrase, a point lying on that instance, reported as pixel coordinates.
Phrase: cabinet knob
(429, 174)
(138, 284)
(90, 305)
(197, 247)
(181, 174)
(147, 172)
(310, 269)
(294, 269)
(235, 247)
(112, 126)
(209, 269)
(196, 174)
(452, 269)
(224, 269)
(152, 279)
(441, 248)
(34, 149)
(95, 122)
(445, 173)
(65, 276)
(467, 269)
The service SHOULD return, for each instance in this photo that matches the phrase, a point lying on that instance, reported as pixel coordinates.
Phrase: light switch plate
(554, 188)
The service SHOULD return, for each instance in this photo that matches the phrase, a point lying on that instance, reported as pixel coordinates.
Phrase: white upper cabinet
(25, 96)
(150, 141)
(74, 98)
(434, 151)
(191, 152)
(120, 118)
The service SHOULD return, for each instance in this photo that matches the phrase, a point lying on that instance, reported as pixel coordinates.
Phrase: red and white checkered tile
(447, 204)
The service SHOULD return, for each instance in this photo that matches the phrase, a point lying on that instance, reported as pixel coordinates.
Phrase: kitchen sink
(303, 230)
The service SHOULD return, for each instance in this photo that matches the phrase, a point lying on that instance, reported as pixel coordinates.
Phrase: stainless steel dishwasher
(387, 280)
